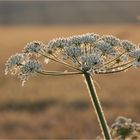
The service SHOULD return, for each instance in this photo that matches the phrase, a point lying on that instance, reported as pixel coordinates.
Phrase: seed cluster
(89, 53)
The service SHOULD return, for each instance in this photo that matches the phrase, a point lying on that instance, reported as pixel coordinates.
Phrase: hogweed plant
(86, 55)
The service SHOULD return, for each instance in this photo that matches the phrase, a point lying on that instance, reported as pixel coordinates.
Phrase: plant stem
(57, 73)
(109, 72)
(97, 106)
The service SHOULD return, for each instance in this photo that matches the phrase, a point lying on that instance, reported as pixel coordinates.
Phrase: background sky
(69, 12)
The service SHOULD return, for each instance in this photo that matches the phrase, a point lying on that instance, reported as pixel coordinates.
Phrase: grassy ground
(59, 107)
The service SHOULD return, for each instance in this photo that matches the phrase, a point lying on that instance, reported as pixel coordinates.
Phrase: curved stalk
(114, 58)
(109, 72)
(122, 65)
(97, 106)
(57, 73)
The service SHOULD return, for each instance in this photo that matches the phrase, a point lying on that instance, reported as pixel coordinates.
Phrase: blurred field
(59, 107)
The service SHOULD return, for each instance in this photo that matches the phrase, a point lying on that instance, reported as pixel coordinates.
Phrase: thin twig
(120, 65)
(114, 58)
(116, 71)
(55, 73)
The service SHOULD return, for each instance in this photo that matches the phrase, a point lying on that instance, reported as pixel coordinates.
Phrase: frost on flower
(73, 52)
(88, 52)
(104, 46)
(21, 65)
(28, 69)
(136, 54)
(91, 62)
(112, 40)
(128, 45)
(34, 47)
(58, 43)
(88, 38)
(14, 62)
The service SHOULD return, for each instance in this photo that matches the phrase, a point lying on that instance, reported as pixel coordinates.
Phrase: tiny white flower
(128, 45)
(90, 61)
(136, 54)
(88, 38)
(73, 52)
(103, 46)
(34, 47)
(14, 61)
(28, 69)
(112, 40)
(58, 43)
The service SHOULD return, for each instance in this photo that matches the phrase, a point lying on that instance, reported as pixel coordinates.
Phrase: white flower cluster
(34, 47)
(110, 39)
(128, 45)
(21, 65)
(29, 69)
(104, 46)
(73, 52)
(91, 62)
(58, 43)
(14, 61)
(87, 53)
(88, 38)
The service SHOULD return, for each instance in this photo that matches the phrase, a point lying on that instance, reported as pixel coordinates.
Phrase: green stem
(97, 105)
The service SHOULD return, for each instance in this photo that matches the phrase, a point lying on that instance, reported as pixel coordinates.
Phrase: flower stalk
(97, 106)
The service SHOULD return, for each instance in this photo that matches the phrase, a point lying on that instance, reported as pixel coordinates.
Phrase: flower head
(28, 69)
(136, 55)
(34, 47)
(73, 52)
(128, 45)
(21, 65)
(58, 43)
(88, 38)
(89, 53)
(14, 61)
(91, 62)
(110, 39)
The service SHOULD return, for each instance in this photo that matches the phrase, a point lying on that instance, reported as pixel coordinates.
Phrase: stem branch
(57, 73)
